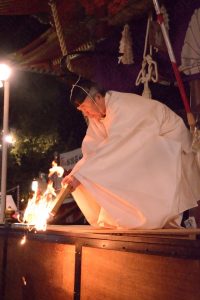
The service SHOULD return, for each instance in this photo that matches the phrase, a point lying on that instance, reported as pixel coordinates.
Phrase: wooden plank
(188, 233)
(108, 274)
(40, 269)
(181, 233)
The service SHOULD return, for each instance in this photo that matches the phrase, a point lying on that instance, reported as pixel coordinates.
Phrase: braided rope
(56, 61)
(60, 33)
(86, 46)
(58, 27)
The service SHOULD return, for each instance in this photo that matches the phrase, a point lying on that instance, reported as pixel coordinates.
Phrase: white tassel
(146, 91)
(125, 47)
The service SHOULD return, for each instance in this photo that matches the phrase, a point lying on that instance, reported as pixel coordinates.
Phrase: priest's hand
(72, 181)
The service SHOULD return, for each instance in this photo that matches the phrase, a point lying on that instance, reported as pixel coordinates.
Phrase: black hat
(84, 88)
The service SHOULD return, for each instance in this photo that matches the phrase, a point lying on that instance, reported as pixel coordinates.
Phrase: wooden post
(64, 192)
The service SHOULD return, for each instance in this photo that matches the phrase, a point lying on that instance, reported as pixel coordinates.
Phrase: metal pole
(18, 198)
(4, 152)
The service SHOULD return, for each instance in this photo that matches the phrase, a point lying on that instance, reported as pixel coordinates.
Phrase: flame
(40, 205)
(56, 169)
(23, 240)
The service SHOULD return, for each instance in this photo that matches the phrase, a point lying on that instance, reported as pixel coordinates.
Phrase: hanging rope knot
(152, 69)
(149, 70)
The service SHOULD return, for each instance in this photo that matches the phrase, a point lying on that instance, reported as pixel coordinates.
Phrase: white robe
(137, 170)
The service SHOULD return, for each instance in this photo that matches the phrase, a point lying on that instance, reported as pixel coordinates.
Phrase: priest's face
(93, 107)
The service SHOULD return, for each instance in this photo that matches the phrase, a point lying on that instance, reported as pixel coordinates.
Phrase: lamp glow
(5, 72)
(9, 139)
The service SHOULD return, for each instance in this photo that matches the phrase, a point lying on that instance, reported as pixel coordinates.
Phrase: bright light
(23, 240)
(1, 84)
(9, 139)
(5, 72)
(34, 185)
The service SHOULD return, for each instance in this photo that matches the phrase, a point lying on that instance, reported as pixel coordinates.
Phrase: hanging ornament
(125, 47)
(149, 70)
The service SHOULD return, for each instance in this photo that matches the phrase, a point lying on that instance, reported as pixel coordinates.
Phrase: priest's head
(89, 98)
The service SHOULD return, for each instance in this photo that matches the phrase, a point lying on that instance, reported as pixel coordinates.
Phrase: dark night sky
(18, 31)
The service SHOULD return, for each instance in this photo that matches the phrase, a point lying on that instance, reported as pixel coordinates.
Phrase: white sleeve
(174, 128)
(94, 138)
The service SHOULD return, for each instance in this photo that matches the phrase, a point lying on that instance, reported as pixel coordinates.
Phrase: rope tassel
(125, 47)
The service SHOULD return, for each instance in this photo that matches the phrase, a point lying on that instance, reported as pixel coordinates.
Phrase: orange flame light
(40, 205)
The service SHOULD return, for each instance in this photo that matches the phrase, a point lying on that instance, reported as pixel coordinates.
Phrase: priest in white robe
(138, 169)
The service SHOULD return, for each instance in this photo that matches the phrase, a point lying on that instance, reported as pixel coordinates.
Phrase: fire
(56, 169)
(23, 240)
(39, 208)
(40, 205)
